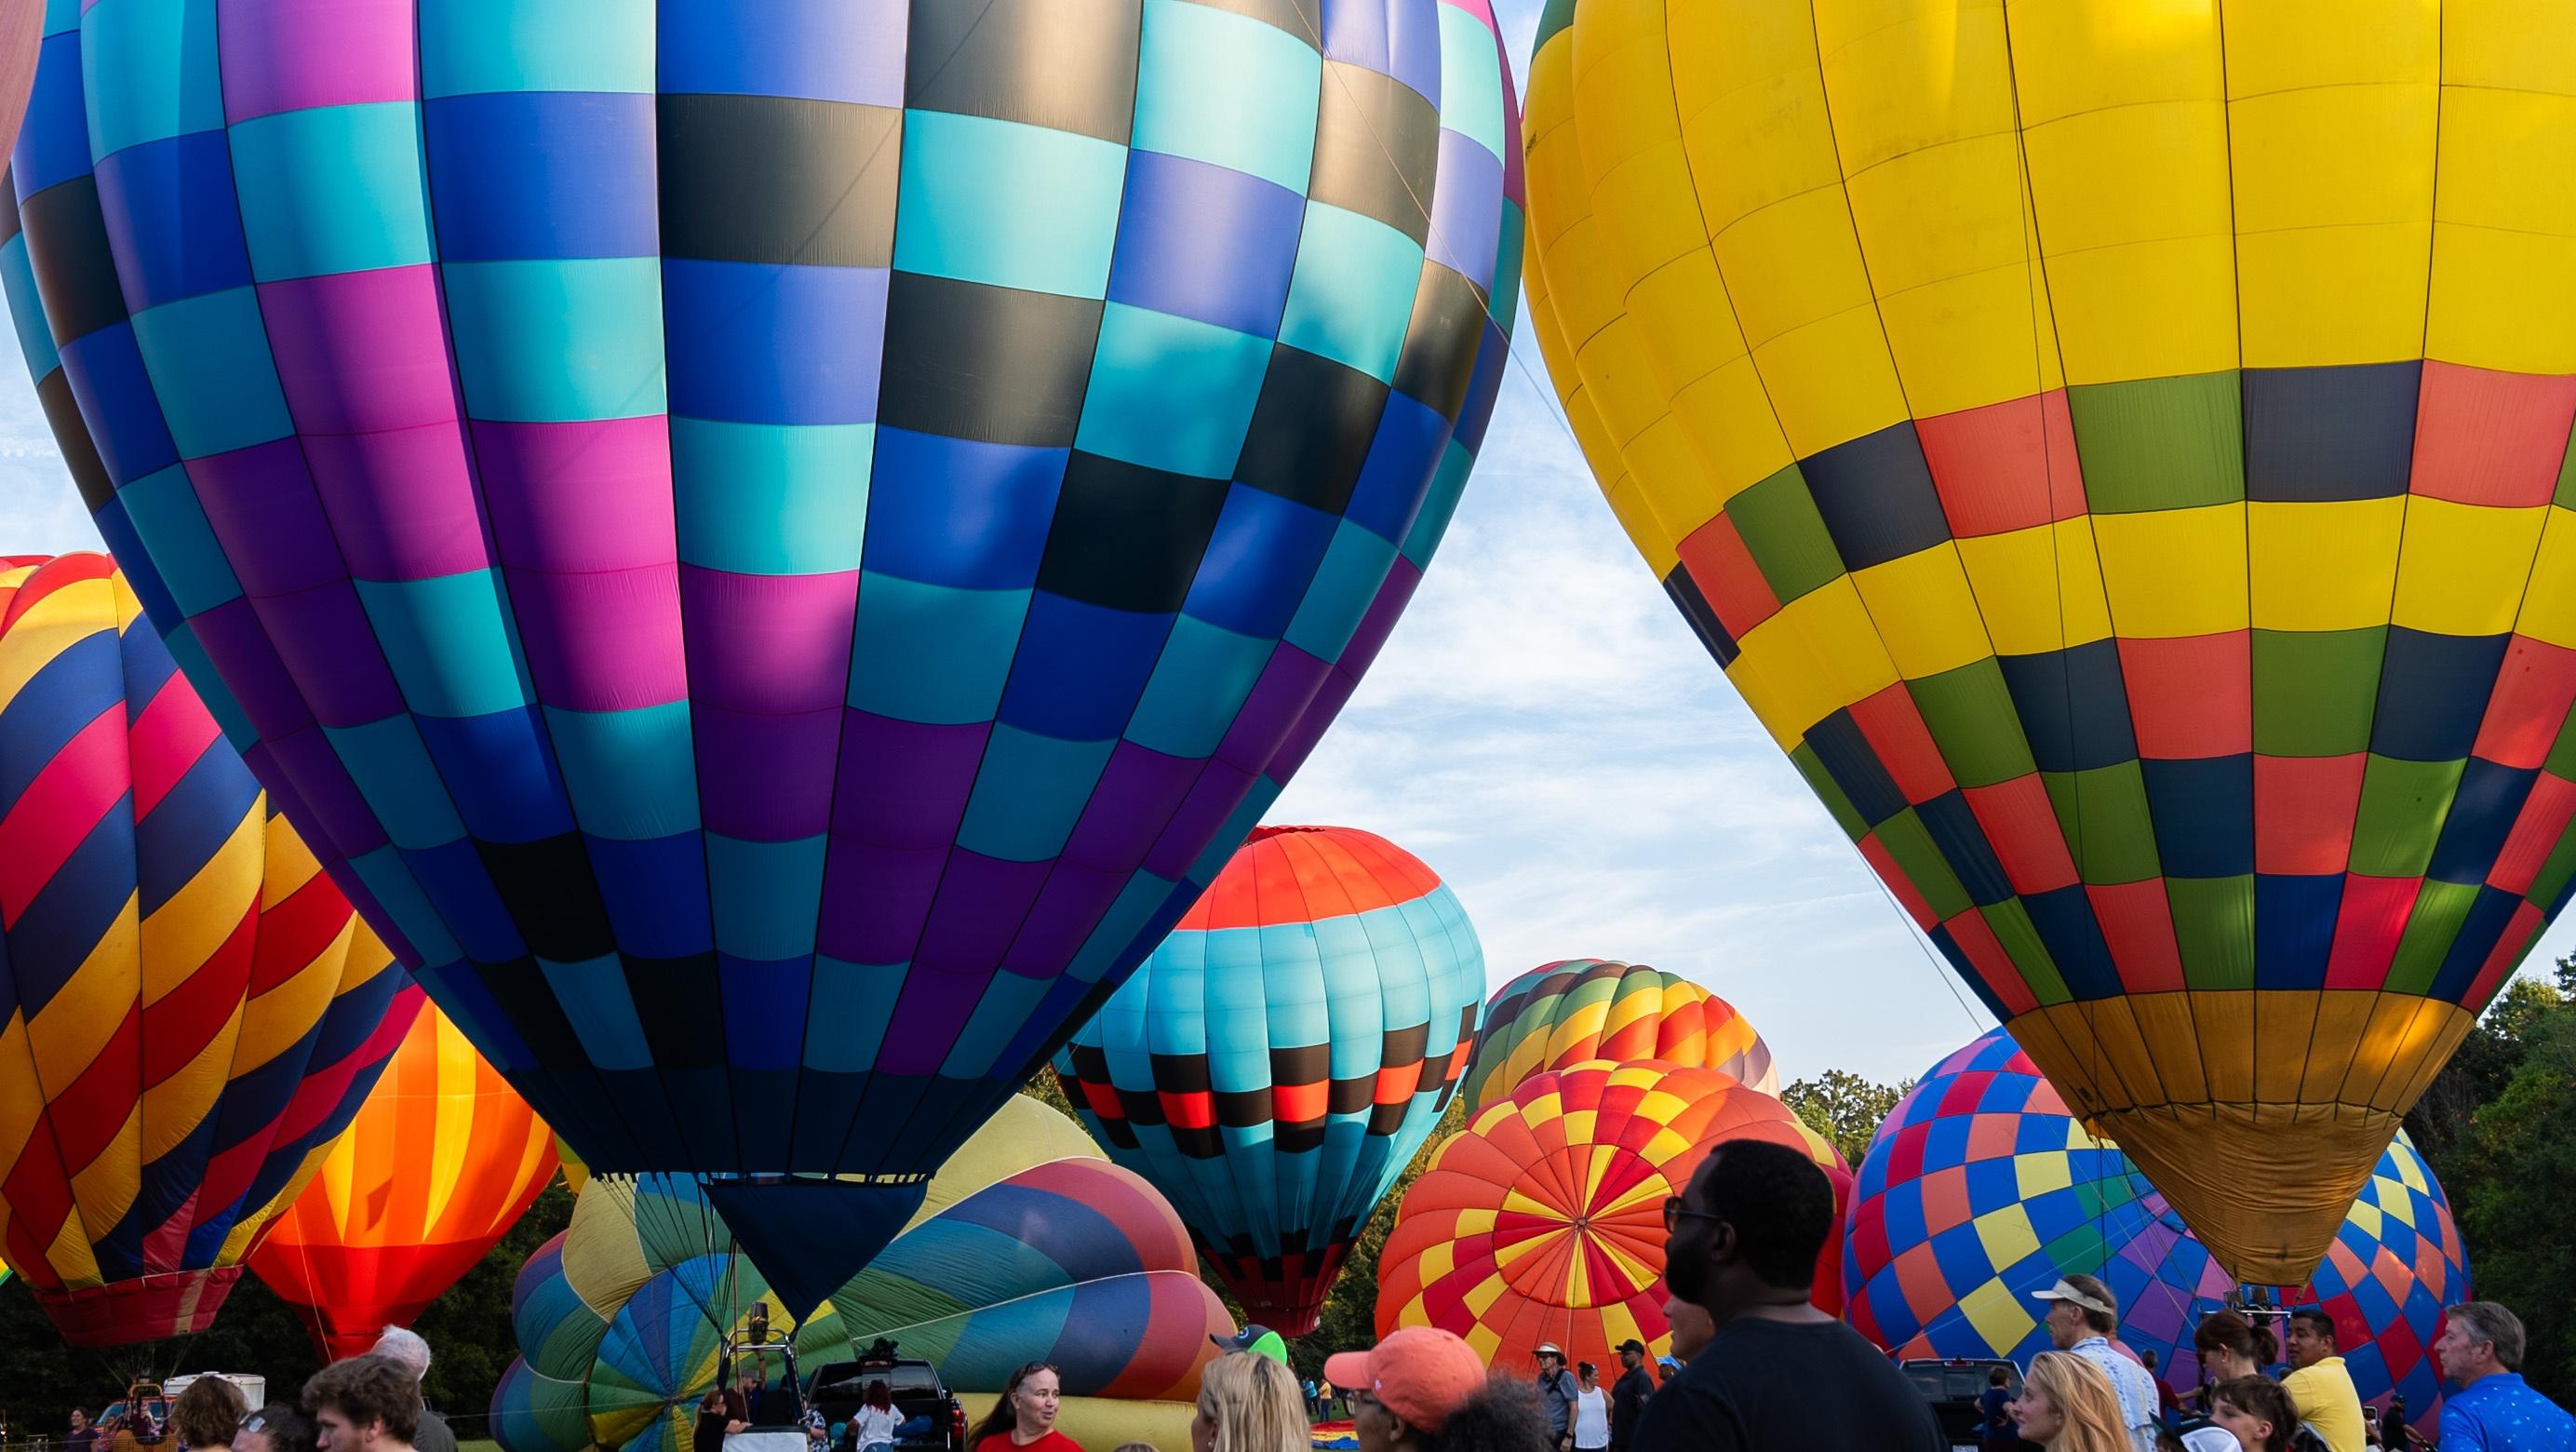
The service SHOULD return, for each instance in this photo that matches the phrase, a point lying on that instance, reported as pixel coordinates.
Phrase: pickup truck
(1953, 1388)
(935, 1421)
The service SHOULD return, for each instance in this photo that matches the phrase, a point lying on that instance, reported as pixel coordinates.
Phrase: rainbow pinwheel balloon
(775, 548)
(1558, 1015)
(1279, 1059)
(1981, 1189)
(189, 1011)
(441, 1161)
(1543, 1219)
(2129, 489)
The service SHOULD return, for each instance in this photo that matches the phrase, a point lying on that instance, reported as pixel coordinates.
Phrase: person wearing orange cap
(1423, 1389)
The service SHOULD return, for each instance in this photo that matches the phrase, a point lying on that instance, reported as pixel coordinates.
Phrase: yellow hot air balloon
(2115, 448)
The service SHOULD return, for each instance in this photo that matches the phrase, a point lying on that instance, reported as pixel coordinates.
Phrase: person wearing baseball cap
(2082, 1317)
(1628, 1395)
(1259, 1340)
(1422, 1389)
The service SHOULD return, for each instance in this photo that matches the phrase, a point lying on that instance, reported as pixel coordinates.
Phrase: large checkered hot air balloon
(1280, 1058)
(1558, 1015)
(189, 1011)
(2130, 491)
(775, 547)
(1981, 1189)
(1544, 1219)
(441, 1161)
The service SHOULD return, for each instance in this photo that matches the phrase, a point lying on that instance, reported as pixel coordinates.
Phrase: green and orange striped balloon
(1558, 1015)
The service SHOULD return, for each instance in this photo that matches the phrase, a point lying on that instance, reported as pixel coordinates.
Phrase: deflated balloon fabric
(1031, 1247)
(1281, 1057)
(774, 549)
(2132, 504)
(189, 1011)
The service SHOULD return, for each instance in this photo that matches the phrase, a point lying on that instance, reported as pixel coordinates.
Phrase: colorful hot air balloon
(193, 1013)
(1543, 1220)
(781, 545)
(1279, 1059)
(441, 1161)
(1031, 1248)
(1981, 1189)
(1558, 1015)
(2130, 500)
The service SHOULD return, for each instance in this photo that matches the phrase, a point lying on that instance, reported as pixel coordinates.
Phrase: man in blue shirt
(2493, 1410)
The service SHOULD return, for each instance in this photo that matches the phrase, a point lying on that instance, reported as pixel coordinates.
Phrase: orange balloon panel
(1543, 1219)
(440, 1163)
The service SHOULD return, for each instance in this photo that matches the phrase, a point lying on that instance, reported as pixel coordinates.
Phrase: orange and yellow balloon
(1543, 1219)
(441, 1161)
(2118, 448)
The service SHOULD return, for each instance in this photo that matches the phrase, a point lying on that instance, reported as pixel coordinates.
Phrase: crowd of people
(1754, 1365)
(2091, 1394)
(368, 1403)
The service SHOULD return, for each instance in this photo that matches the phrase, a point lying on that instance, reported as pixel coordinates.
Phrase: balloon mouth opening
(808, 1235)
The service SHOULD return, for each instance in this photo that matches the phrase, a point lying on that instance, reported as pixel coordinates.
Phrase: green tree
(2508, 1185)
(1042, 1086)
(1845, 1108)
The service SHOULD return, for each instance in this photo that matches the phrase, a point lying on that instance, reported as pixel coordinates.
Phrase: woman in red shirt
(1023, 1417)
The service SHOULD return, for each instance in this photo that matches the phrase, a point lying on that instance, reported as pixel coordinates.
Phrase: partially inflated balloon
(1561, 1014)
(1543, 1219)
(2129, 498)
(192, 1011)
(776, 548)
(1030, 1247)
(1981, 1189)
(441, 1161)
(1279, 1059)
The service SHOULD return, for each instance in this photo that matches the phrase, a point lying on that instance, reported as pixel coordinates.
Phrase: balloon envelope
(1029, 1247)
(1278, 1060)
(1981, 1189)
(1561, 1014)
(2133, 505)
(441, 1161)
(192, 1011)
(771, 670)
(1543, 1219)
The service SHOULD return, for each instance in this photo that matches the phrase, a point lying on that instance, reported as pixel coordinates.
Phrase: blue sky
(1548, 736)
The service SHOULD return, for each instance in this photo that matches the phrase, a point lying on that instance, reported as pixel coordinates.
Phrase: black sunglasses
(1675, 1212)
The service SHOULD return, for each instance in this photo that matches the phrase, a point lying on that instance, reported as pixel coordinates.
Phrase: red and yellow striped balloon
(440, 1163)
(1543, 1219)
(189, 1011)
(1558, 1015)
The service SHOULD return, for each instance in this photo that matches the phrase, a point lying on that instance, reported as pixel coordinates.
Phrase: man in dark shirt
(1628, 1395)
(1742, 1242)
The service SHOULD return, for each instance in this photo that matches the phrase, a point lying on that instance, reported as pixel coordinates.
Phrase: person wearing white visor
(2082, 1317)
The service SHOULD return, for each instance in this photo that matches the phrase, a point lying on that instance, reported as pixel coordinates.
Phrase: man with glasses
(1742, 1243)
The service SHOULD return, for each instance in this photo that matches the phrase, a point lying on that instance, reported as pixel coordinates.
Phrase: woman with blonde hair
(1249, 1403)
(2067, 1405)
